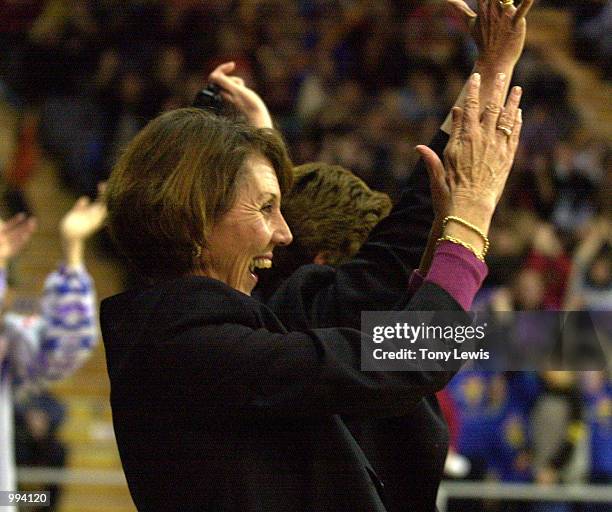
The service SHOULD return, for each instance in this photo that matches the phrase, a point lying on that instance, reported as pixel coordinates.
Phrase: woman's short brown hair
(329, 210)
(176, 178)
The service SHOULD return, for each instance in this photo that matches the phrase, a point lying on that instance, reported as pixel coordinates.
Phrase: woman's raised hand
(478, 159)
(81, 222)
(481, 149)
(498, 29)
(245, 100)
(83, 219)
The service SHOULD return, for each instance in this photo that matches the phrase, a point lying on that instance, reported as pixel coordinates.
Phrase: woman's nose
(282, 233)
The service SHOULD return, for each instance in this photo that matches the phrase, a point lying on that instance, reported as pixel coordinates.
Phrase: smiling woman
(245, 237)
(179, 177)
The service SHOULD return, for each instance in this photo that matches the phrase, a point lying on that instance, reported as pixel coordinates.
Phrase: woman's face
(246, 235)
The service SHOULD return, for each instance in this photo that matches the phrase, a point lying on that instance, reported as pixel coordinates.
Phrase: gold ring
(506, 130)
(506, 3)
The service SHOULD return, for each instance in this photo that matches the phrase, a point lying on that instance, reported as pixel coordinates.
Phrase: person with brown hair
(331, 209)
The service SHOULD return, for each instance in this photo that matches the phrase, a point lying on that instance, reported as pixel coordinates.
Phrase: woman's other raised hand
(499, 29)
(244, 99)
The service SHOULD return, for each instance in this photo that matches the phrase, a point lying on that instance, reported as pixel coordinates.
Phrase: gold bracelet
(469, 247)
(468, 225)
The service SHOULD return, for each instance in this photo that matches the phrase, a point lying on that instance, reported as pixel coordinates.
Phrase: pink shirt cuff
(458, 271)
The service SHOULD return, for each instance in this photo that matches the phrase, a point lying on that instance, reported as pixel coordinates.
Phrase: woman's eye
(267, 208)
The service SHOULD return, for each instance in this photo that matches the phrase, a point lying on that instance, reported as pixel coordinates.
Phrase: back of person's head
(330, 212)
(176, 178)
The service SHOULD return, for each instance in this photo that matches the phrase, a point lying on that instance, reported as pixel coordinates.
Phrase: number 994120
(37, 498)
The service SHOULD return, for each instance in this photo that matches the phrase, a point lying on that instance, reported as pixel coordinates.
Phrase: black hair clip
(210, 98)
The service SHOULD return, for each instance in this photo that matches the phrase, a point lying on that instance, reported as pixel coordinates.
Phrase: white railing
(476, 490)
(523, 492)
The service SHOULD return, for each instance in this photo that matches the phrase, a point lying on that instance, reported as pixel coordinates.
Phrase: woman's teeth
(260, 263)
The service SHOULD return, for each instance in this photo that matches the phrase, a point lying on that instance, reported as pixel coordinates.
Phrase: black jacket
(217, 407)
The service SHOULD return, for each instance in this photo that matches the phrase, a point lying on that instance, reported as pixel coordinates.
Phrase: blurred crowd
(552, 427)
(357, 83)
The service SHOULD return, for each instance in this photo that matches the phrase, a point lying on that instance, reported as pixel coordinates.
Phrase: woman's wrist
(258, 115)
(74, 250)
(459, 232)
(458, 271)
(475, 226)
(478, 211)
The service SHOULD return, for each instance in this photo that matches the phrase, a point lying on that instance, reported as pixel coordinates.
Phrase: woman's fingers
(492, 110)
(98, 214)
(32, 224)
(463, 8)
(220, 77)
(222, 80)
(513, 141)
(516, 132)
(237, 80)
(232, 87)
(19, 235)
(507, 7)
(226, 67)
(505, 123)
(484, 8)
(82, 202)
(522, 10)
(434, 165)
(471, 109)
(102, 186)
(26, 226)
(457, 124)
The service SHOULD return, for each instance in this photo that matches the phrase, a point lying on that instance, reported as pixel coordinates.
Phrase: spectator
(557, 426)
(549, 260)
(575, 200)
(591, 277)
